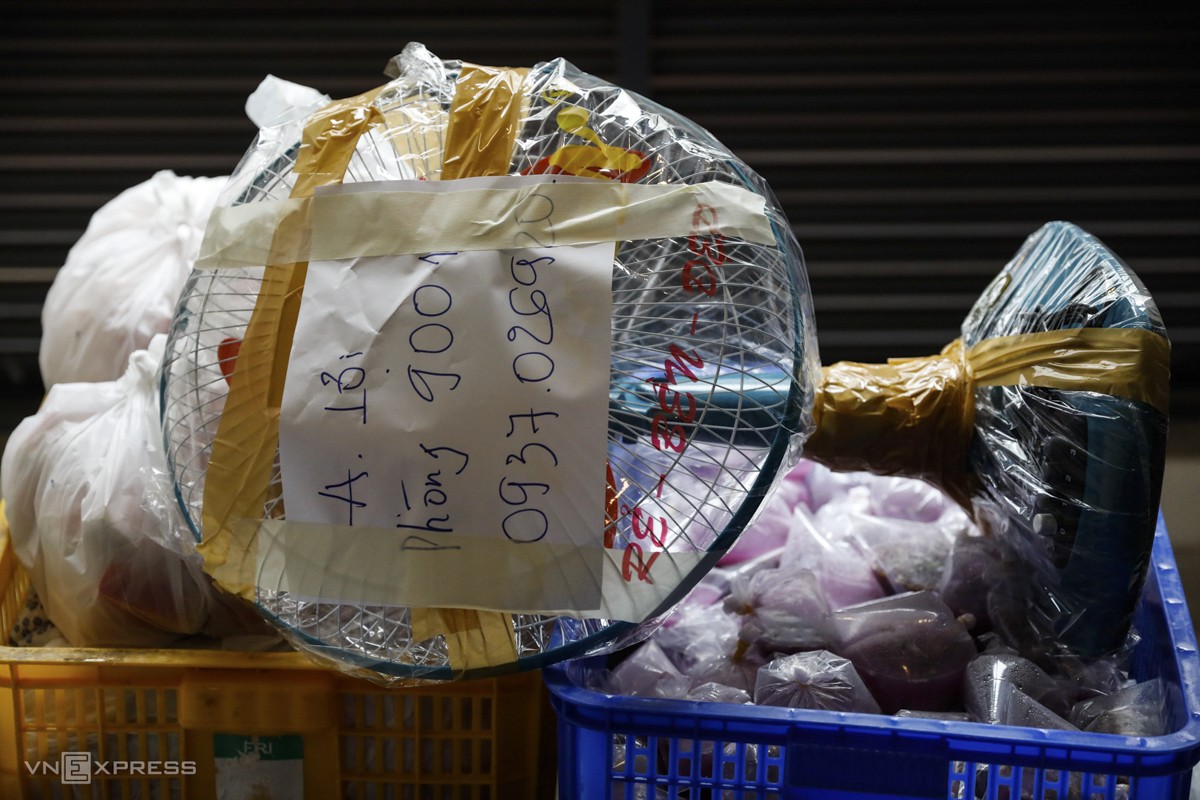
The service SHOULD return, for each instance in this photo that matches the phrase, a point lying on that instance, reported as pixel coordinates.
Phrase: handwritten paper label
(452, 394)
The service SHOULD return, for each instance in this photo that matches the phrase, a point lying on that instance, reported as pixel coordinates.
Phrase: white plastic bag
(123, 277)
(93, 520)
(276, 102)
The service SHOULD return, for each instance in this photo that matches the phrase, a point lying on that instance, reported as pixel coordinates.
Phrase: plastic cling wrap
(518, 326)
(1072, 476)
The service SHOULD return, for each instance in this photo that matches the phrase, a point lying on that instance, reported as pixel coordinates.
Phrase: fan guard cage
(757, 331)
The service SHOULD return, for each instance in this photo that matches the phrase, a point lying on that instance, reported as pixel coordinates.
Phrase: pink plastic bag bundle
(823, 622)
(910, 650)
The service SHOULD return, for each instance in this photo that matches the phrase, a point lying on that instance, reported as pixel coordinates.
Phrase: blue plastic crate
(678, 749)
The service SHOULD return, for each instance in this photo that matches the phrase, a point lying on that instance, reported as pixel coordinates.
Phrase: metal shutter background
(914, 145)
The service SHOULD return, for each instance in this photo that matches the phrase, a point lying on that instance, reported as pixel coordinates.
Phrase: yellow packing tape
(915, 416)
(484, 117)
(473, 638)
(239, 471)
(329, 141)
(905, 417)
(1133, 363)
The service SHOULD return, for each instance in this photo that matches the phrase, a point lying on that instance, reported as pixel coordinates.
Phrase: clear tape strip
(398, 217)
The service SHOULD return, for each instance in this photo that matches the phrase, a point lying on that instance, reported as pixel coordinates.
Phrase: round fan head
(1048, 419)
(1070, 475)
(704, 390)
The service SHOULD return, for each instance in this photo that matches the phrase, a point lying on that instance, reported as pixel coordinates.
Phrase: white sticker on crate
(258, 767)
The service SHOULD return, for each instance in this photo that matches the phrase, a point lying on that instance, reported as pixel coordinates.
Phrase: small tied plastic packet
(815, 679)
(486, 368)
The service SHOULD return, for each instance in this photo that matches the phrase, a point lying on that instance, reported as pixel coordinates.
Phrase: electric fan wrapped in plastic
(1048, 419)
(677, 341)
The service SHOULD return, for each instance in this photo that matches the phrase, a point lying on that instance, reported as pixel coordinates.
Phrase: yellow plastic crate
(197, 724)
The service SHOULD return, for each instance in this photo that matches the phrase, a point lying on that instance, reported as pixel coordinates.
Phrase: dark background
(913, 145)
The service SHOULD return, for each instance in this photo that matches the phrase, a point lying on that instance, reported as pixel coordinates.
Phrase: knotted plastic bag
(93, 520)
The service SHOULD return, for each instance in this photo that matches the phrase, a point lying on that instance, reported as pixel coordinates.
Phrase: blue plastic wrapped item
(1071, 479)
